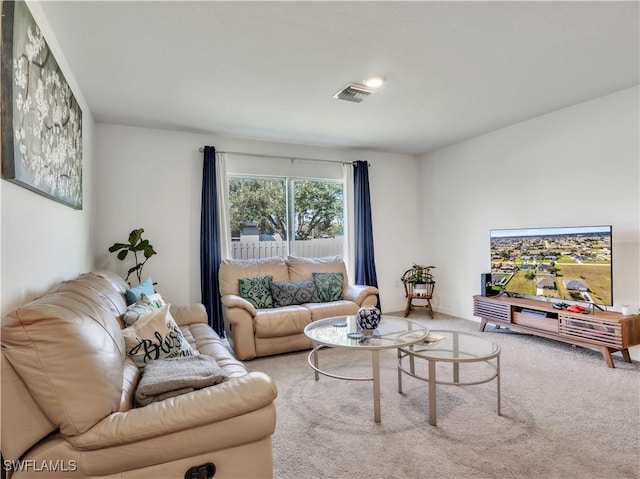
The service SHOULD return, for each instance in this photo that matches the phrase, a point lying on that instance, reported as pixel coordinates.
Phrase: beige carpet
(564, 415)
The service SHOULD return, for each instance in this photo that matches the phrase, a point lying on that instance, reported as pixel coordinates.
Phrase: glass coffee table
(455, 347)
(343, 332)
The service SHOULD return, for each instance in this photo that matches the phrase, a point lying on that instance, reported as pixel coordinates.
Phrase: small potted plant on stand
(417, 278)
(418, 283)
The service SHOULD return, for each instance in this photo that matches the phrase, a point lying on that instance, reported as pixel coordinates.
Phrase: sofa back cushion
(68, 349)
(231, 270)
(303, 268)
(116, 282)
(116, 290)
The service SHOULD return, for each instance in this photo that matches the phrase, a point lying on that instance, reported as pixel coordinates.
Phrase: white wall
(576, 166)
(43, 241)
(152, 179)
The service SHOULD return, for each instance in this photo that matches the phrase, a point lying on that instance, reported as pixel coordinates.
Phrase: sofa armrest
(189, 314)
(239, 328)
(235, 301)
(228, 399)
(358, 293)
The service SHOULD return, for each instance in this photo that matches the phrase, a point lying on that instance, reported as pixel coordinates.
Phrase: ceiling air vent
(354, 92)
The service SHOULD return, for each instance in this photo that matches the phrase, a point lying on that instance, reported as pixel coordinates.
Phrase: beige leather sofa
(261, 332)
(67, 389)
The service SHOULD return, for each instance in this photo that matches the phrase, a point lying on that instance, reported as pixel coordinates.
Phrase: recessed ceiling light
(375, 81)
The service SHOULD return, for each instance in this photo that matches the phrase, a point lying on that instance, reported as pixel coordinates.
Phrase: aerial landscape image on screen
(569, 263)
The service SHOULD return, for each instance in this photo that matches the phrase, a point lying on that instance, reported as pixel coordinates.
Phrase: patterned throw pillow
(257, 291)
(329, 286)
(156, 336)
(286, 294)
(145, 305)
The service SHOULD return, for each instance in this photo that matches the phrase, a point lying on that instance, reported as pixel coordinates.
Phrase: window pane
(257, 217)
(260, 226)
(317, 218)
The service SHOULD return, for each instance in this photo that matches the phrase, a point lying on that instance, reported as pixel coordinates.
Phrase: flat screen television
(567, 263)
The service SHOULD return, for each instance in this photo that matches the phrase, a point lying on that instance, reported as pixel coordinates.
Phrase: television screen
(568, 263)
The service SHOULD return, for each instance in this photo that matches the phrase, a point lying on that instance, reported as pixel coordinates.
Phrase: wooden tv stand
(606, 331)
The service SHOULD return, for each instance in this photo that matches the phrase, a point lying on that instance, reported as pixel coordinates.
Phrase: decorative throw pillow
(155, 336)
(286, 294)
(257, 291)
(132, 295)
(329, 286)
(154, 299)
(145, 305)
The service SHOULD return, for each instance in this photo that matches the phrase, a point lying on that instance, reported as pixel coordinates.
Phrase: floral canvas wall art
(41, 118)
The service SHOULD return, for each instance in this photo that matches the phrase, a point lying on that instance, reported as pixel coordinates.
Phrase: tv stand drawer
(536, 321)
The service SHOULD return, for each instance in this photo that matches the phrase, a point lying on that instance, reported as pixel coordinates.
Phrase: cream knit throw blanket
(165, 378)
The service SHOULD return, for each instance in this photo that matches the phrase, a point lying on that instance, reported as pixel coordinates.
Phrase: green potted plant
(417, 278)
(419, 274)
(136, 245)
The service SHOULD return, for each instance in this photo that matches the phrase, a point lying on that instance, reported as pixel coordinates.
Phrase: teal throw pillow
(329, 286)
(286, 294)
(257, 291)
(132, 295)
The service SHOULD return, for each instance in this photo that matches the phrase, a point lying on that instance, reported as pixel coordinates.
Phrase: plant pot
(420, 289)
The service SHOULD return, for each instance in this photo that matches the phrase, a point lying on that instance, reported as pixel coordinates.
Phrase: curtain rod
(280, 157)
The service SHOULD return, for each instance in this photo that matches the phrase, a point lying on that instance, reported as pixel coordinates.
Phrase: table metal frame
(410, 337)
(458, 357)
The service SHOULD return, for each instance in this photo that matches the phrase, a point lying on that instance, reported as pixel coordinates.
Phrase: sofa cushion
(65, 344)
(133, 294)
(201, 337)
(118, 284)
(330, 286)
(286, 294)
(231, 270)
(329, 310)
(155, 336)
(270, 323)
(303, 268)
(257, 291)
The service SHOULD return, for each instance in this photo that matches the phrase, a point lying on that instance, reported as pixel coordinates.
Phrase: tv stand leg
(483, 323)
(625, 355)
(606, 354)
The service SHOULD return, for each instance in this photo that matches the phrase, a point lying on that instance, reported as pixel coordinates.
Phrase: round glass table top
(457, 346)
(343, 331)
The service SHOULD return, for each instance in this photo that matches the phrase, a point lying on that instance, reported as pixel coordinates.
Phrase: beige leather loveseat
(255, 332)
(68, 384)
